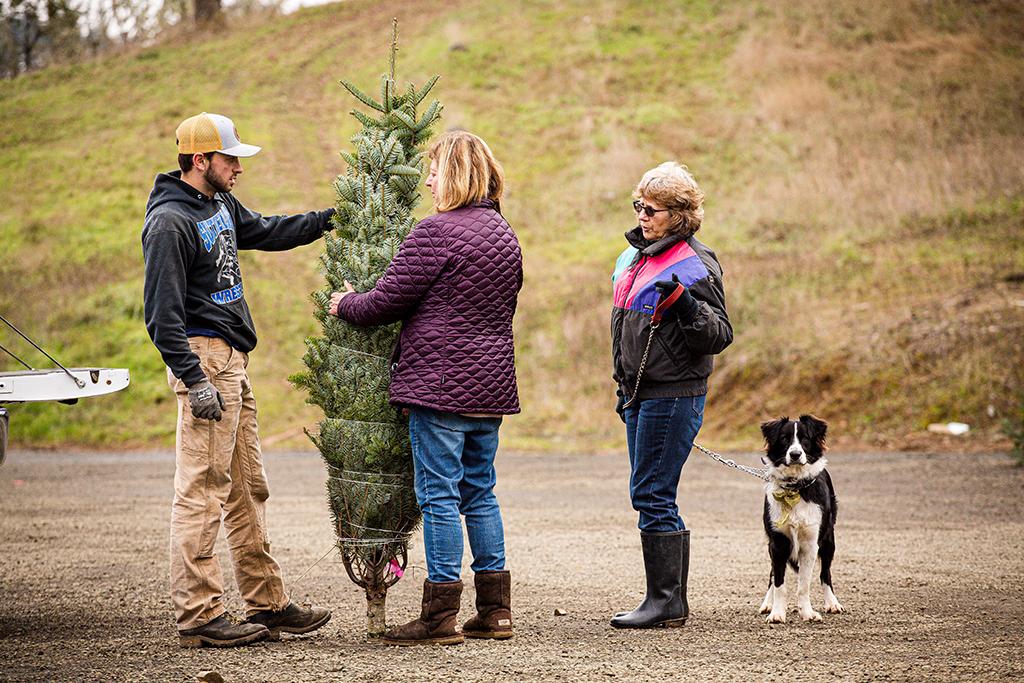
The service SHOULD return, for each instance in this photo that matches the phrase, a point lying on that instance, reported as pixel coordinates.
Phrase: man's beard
(219, 184)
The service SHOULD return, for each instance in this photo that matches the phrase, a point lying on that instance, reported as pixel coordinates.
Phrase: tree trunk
(206, 11)
(375, 600)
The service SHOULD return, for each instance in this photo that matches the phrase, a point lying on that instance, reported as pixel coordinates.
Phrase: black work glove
(206, 401)
(685, 306)
(620, 408)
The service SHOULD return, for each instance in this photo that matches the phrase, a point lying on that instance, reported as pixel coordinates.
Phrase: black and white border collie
(799, 514)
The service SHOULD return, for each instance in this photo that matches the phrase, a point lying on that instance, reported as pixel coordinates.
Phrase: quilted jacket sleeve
(419, 262)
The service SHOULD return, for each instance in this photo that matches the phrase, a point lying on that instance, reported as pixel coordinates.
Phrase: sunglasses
(638, 207)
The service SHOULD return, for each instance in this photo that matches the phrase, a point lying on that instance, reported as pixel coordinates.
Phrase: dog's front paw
(835, 608)
(776, 618)
(832, 605)
(810, 615)
(765, 608)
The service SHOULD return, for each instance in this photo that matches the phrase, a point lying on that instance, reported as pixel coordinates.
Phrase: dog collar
(795, 484)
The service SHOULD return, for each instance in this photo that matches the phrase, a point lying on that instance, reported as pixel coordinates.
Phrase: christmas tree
(364, 440)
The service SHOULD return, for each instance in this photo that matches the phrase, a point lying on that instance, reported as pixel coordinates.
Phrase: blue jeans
(453, 457)
(660, 434)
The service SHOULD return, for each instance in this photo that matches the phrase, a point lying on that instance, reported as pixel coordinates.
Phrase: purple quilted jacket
(454, 283)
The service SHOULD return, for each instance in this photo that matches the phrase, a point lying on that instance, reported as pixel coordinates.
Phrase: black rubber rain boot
(665, 602)
(684, 571)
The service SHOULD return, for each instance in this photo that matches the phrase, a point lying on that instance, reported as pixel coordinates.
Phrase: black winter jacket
(681, 356)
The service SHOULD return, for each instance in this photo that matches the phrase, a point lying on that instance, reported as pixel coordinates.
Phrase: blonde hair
(673, 186)
(467, 172)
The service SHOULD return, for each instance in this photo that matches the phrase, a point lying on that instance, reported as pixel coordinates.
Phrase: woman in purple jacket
(454, 284)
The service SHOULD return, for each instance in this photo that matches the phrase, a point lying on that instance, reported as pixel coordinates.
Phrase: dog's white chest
(805, 515)
(793, 515)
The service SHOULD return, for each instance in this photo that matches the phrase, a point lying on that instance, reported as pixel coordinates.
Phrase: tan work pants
(219, 475)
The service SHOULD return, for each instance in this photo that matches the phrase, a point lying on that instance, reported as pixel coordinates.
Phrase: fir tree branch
(426, 89)
(362, 97)
(429, 117)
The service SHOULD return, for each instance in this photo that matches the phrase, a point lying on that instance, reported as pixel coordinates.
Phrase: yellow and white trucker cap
(211, 133)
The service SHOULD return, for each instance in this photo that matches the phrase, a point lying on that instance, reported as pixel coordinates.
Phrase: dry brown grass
(893, 113)
(864, 284)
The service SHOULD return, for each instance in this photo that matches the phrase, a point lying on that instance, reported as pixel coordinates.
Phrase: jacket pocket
(670, 358)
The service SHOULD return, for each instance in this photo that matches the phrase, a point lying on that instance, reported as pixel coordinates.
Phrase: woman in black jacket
(668, 322)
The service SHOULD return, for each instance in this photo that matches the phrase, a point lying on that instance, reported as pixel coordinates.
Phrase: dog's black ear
(816, 429)
(770, 429)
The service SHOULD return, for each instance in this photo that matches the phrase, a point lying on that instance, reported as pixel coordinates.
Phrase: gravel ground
(929, 565)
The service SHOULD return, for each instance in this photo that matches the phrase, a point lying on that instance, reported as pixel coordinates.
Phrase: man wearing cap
(197, 317)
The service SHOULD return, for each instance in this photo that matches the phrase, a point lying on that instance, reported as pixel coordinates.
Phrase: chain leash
(643, 363)
(759, 473)
(663, 304)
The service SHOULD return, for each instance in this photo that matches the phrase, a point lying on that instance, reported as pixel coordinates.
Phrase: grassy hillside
(864, 164)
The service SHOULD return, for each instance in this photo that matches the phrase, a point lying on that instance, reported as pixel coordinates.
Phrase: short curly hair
(673, 186)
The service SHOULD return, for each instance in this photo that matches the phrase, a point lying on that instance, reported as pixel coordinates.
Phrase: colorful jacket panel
(680, 360)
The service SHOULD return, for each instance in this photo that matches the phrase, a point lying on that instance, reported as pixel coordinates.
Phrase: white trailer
(65, 385)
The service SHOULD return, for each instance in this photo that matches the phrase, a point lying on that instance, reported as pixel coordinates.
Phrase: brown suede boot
(437, 624)
(493, 606)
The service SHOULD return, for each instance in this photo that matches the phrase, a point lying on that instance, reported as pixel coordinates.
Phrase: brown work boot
(224, 631)
(291, 619)
(436, 625)
(493, 606)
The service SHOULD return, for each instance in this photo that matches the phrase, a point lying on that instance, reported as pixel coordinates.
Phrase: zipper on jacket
(635, 272)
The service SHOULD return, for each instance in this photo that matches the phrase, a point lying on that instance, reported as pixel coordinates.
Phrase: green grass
(861, 163)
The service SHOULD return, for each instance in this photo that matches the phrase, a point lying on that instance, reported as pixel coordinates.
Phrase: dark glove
(206, 401)
(685, 306)
(620, 408)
